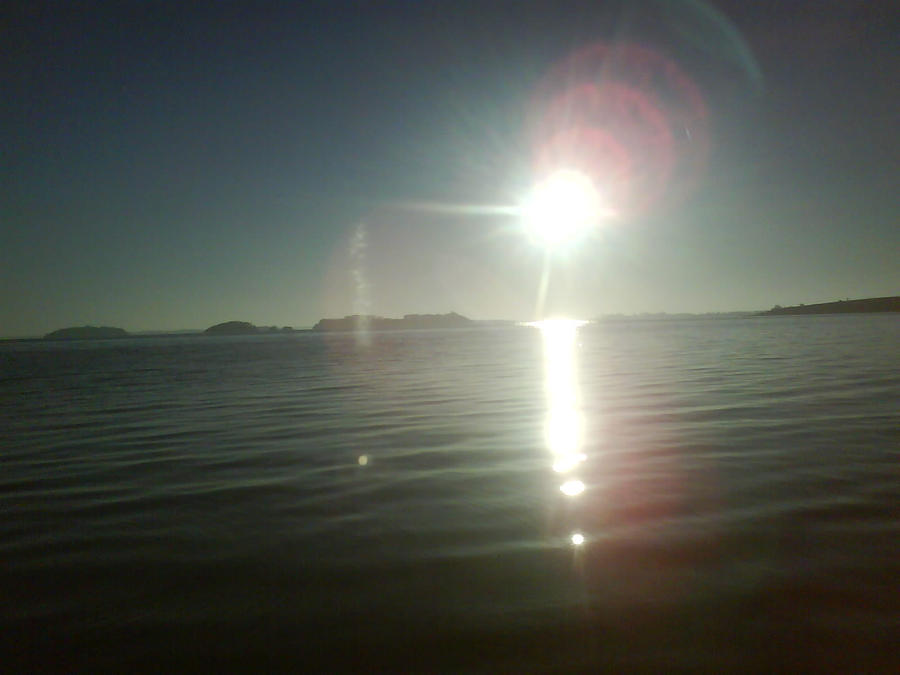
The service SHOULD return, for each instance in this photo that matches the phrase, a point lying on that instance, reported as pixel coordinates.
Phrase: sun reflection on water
(564, 426)
(572, 488)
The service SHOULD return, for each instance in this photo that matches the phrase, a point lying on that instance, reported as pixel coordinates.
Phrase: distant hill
(244, 328)
(86, 333)
(886, 304)
(232, 328)
(408, 322)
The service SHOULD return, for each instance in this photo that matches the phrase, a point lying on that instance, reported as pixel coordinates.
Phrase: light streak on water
(564, 425)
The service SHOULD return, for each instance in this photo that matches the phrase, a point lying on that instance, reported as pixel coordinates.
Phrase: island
(244, 328)
(408, 322)
(87, 333)
(866, 305)
(232, 328)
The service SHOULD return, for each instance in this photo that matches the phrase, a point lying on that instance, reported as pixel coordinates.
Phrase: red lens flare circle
(626, 116)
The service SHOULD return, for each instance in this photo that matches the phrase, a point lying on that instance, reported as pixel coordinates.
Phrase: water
(314, 502)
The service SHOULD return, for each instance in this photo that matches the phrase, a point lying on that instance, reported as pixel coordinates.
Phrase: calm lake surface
(329, 502)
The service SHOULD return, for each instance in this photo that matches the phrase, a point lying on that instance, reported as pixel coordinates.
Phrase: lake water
(328, 502)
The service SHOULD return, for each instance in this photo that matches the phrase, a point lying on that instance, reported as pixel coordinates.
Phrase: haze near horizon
(172, 166)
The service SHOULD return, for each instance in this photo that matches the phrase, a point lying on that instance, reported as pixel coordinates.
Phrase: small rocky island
(244, 328)
(87, 333)
(408, 322)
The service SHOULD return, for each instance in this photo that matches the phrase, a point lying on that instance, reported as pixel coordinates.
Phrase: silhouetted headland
(886, 304)
(86, 333)
(408, 322)
(232, 328)
(244, 328)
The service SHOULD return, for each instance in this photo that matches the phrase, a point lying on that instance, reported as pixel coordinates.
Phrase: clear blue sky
(172, 165)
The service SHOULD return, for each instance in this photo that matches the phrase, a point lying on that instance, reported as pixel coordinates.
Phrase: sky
(172, 165)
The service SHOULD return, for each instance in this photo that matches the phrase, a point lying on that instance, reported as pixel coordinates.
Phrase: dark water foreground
(323, 503)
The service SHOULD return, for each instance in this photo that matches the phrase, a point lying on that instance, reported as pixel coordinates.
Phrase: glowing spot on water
(363, 460)
(565, 463)
(572, 488)
(577, 539)
(563, 428)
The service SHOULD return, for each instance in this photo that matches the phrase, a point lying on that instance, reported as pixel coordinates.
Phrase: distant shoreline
(864, 306)
(408, 322)
(886, 304)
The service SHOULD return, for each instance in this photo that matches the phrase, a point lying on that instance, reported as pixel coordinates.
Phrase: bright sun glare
(562, 208)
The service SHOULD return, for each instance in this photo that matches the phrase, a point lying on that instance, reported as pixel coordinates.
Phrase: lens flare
(626, 116)
(577, 539)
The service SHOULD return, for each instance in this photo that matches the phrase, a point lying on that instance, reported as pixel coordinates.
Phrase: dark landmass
(680, 316)
(167, 333)
(886, 304)
(496, 323)
(86, 333)
(232, 328)
(408, 322)
(244, 328)
(454, 320)
(78, 333)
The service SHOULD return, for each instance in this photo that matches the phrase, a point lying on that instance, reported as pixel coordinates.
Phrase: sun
(562, 208)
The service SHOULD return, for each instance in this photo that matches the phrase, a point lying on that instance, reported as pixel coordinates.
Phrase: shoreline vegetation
(453, 320)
